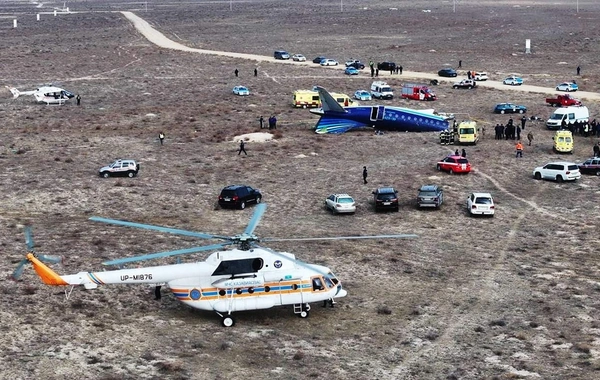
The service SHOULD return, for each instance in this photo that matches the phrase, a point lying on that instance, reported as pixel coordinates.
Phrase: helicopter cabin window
(317, 284)
(233, 267)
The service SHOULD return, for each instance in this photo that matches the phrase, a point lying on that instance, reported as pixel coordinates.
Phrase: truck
(565, 100)
(381, 90)
(417, 92)
(567, 116)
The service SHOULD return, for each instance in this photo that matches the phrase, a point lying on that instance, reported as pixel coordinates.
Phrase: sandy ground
(509, 297)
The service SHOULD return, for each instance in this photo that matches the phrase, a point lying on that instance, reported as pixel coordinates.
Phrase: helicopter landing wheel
(228, 321)
(303, 314)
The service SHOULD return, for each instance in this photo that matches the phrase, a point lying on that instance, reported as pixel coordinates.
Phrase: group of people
(583, 128)
(272, 122)
(397, 69)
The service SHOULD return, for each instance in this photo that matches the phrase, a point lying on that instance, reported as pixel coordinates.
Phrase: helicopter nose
(340, 292)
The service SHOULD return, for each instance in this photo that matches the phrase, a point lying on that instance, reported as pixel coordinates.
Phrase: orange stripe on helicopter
(48, 276)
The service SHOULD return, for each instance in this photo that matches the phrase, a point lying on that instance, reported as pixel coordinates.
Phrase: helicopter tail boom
(48, 276)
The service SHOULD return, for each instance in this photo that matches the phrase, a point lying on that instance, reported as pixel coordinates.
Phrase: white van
(381, 90)
(568, 114)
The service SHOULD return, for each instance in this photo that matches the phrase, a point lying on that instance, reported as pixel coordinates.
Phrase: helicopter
(247, 277)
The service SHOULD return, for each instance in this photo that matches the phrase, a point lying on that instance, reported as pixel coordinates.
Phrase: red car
(454, 164)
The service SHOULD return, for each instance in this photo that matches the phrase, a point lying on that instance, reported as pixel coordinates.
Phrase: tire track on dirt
(486, 291)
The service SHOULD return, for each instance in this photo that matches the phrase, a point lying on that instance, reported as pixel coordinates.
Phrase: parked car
(386, 198)
(329, 62)
(319, 59)
(481, 204)
(120, 168)
(513, 80)
(281, 54)
(448, 72)
(558, 171)
(351, 71)
(298, 58)
(430, 196)
(465, 83)
(386, 66)
(241, 90)
(340, 203)
(509, 108)
(454, 164)
(356, 64)
(238, 196)
(567, 86)
(480, 76)
(590, 166)
(362, 95)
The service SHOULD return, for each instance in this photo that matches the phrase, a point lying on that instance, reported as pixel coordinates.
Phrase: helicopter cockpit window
(331, 277)
(233, 267)
(317, 283)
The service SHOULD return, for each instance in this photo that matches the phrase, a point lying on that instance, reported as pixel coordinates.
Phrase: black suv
(386, 198)
(238, 196)
(386, 66)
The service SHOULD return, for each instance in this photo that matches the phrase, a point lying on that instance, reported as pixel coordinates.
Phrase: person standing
(519, 148)
(578, 70)
(376, 72)
(463, 154)
(261, 120)
(236, 72)
(78, 99)
(161, 137)
(530, 137)
(400, 70)
(242, 149)
(523, 121)
(456, 153)
(459, 64)
(518, 132)
(596, 150)
(255, 72)
(365, 174)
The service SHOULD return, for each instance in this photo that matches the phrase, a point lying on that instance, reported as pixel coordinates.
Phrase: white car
(362, 95)
(480, 76)
(513, 80)
(340, 203)
(298, 58)
(567, 86)
(558, 171)
(241, 90)
(120, 168)
(329, 62)
(480, 204)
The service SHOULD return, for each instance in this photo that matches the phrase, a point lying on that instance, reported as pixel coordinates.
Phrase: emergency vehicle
(467, 132)
(310, 99)
(417, 92)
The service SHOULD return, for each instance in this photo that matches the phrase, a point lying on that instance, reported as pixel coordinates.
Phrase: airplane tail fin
(14, 91)
(328, 103)
(48, 276)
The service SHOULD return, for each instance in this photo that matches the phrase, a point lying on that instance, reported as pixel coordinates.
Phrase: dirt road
(161, 40)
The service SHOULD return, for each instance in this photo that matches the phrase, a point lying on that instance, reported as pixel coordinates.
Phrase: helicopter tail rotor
(30, 249)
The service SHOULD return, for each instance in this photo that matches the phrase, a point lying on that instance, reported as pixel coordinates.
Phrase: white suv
(481, 204)
(128, 168)
(558, 171)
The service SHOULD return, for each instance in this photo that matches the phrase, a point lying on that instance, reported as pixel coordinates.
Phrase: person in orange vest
(519, 148)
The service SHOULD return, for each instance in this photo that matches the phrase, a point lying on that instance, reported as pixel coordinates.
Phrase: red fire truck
(417, 92)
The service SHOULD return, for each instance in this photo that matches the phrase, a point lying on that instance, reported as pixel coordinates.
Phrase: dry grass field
(510, 297)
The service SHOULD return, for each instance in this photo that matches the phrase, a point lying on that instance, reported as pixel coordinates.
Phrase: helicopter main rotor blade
(402, 236)
(19, 271)
(159, 228)
(258, 213)
(166, 254)
(29, 238)
(50, 259)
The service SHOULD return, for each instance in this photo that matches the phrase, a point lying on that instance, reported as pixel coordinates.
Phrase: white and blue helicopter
(48, 94)
(248, 277)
